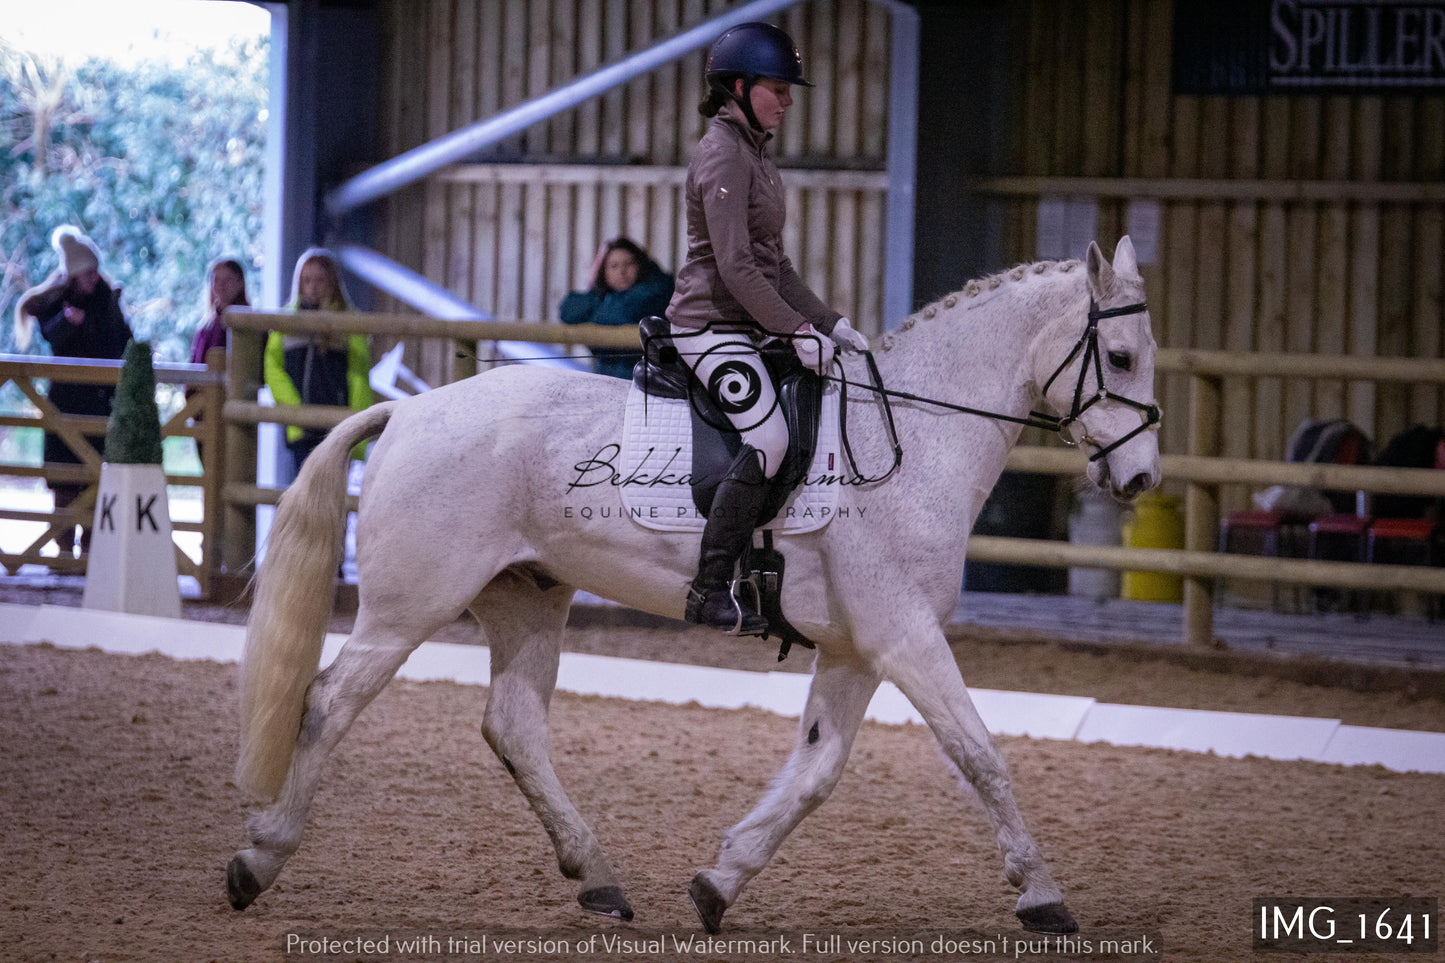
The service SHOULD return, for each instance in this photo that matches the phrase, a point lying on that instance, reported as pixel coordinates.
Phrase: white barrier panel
(891, 707)
(780, 692)
(1033, 714)
(1196, 730)
(15, 622)
(1400, 749)
(1030, 714)
(128, 634)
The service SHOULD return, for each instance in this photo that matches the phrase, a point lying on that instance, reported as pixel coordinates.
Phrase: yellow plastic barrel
(1157, 522)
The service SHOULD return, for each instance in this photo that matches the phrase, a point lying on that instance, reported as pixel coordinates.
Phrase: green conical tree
(133, 436)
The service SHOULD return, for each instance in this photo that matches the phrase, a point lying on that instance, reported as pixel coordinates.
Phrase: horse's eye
(1121, 360)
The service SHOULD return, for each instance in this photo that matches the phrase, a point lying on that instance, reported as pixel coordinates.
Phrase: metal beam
(406, 285)
(283, 170)
(902, 165)
(421, 161)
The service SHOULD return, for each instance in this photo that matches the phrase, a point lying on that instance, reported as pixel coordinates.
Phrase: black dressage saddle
(662, 373)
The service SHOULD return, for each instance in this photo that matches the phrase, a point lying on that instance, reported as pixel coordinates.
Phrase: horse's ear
(1101, 273)
(1126, 263)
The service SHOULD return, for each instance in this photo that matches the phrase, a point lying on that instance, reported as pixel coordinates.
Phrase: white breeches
(726, 362)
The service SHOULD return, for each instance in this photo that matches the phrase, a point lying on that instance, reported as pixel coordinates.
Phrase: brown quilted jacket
(735, 269)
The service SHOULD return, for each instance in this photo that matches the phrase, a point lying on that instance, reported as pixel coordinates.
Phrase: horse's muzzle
(1137, 485)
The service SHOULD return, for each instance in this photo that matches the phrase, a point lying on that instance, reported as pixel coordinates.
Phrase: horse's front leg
(524, 625)
(837, 700)
(927, 674)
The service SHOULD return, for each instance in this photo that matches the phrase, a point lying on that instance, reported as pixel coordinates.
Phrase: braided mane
(979, 286)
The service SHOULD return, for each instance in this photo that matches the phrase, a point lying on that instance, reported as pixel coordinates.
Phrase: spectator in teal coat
(624, 285)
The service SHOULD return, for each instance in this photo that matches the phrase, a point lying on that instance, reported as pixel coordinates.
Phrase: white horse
(466, 507)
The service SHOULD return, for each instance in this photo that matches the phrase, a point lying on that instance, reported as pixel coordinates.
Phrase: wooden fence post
(212, 439)
(243, 380)
(1201, 507)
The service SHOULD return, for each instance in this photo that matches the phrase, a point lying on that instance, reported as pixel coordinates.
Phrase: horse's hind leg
(523, 622)
(929, 677)
(837, 700)
(365, 664)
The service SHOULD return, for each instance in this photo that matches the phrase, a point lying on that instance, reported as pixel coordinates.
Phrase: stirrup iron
(737, 629)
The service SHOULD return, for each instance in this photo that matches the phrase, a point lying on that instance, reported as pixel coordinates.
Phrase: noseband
(1088, 346)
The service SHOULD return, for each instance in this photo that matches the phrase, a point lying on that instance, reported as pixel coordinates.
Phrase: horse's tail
(294, 589)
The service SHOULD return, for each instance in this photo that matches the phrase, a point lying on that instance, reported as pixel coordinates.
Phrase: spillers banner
(1309, 46)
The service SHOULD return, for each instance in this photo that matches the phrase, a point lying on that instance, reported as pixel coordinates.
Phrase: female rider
(737, 287)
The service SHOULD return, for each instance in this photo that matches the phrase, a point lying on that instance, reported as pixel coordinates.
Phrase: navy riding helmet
(750, 51)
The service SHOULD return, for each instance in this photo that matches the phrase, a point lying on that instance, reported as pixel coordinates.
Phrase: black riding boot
(712, 600)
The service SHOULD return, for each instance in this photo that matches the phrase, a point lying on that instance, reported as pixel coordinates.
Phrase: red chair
(1337, 538)
(1253, 532)
(1404, 541)
(1401, 541)
(1269, 533)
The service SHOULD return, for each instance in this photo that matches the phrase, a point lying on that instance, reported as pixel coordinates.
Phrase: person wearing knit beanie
(77, 252)
(80, 316)
(79, 270)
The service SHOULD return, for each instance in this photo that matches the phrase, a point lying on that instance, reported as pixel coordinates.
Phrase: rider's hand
(846, 338)
(815, 350)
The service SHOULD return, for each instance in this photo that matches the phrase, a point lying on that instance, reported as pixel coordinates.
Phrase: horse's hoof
(241, 886)
(708, 902)
(606, 901)
(1048, 918)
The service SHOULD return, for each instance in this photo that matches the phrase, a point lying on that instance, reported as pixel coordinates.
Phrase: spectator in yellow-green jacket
(317, 369)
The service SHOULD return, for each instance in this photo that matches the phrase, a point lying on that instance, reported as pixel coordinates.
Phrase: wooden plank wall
(1349, 275)
(514, 232)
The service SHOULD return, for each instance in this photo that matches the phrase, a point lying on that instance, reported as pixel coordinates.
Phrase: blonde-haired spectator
(317, 369)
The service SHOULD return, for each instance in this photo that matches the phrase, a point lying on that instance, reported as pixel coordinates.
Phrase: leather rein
(1087, 345)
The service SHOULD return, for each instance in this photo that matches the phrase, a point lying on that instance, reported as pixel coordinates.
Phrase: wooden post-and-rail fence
(198, 418)
(232, 494)
(1204, 471)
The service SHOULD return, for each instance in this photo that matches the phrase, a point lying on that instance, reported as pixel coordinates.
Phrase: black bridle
(1087, 345)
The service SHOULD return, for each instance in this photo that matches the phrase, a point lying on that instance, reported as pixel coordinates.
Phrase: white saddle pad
(656, 463)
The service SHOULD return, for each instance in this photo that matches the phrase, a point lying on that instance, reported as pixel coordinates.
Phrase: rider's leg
(728, 365)
(711, 600)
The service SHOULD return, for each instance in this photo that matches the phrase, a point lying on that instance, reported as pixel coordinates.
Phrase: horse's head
(1098, 373)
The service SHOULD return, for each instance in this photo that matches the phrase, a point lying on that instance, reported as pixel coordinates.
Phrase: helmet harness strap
(745, 102)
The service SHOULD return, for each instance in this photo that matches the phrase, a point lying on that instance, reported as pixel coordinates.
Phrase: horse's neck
(978, 353)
